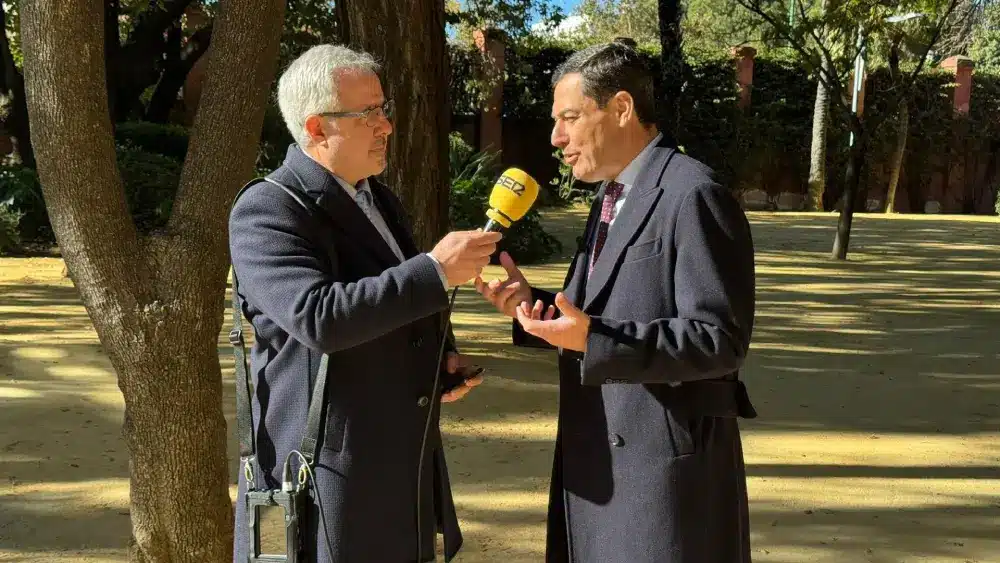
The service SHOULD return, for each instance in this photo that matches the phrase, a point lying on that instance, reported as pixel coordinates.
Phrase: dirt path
(879, 436)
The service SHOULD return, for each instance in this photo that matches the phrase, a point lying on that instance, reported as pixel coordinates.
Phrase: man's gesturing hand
(568, 331)
(508, 294)
(463, 254)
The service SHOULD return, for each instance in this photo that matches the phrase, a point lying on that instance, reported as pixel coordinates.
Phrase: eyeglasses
(370, 115)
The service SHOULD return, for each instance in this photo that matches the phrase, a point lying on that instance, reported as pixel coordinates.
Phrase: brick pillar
(744, 72)
(962, 68)
(491, 44)
(953, 195)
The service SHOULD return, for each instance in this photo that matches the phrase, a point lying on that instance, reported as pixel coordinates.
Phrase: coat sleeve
(520, 336)
(714, 295)
(283, 273)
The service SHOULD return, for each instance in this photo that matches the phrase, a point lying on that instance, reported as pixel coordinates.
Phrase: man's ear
(624, 106)
(314, 128)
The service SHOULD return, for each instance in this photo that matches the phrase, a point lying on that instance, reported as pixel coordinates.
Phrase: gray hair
(307, 86)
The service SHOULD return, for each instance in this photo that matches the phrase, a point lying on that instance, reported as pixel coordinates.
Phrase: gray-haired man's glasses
(370, 115)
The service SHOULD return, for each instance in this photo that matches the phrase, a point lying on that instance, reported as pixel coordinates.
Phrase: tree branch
(67, 106)
(175, 71)
(229, 119)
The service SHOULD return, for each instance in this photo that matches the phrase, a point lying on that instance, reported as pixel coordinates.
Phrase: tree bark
(156, 302)
(817, 153)
(852, 181)
(13, 85)
(672, 63)
(902, 132)
(408, 36)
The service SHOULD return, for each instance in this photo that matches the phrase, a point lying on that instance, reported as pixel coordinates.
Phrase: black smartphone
(450, 381)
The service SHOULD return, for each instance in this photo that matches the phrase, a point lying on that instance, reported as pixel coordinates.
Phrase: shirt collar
(630, 174)
(351, 190)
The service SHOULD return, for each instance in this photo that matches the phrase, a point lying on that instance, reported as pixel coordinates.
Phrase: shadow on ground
(877, 381)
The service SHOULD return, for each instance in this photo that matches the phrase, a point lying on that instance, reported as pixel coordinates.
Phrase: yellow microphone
(513, 195)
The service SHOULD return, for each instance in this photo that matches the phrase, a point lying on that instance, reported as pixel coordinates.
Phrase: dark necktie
(611, 194)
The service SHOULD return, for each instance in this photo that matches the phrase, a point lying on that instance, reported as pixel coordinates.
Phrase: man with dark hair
(652, 327)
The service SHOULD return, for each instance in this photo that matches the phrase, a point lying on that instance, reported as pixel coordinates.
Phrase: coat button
(422, 401)
(616, 440)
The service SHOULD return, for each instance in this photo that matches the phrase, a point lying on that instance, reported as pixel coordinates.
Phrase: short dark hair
(611, 68)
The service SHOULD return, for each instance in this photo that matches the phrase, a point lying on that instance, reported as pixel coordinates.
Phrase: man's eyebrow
(564, 112)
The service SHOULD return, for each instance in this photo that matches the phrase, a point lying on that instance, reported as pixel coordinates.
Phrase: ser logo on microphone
(511, 184)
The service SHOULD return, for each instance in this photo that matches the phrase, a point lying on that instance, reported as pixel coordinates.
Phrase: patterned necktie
(611, 194)
(364, 200)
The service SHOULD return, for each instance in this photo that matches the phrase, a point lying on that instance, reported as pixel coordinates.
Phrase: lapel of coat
(346, 213)
(638, 204)
(576, 276)
(394, 219)
(330, 196)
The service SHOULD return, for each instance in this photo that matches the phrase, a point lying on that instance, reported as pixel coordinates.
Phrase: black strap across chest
(244, 384)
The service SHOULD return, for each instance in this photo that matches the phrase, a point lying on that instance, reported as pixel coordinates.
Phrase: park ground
(877, 381)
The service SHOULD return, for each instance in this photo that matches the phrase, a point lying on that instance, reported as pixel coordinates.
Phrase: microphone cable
(427, 423)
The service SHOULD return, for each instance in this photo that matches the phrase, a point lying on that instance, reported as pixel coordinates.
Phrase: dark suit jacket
(327, 282)
(648, 462)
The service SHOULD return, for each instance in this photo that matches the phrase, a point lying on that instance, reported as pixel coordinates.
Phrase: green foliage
(21, 195)
(607, 19)
(985, 48)
(9, 221)
(472, 177)
(513, 17)
(150, 182)
(167, 140)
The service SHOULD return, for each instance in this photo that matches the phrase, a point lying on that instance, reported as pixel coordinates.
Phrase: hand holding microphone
(464, 254)
(513, 195)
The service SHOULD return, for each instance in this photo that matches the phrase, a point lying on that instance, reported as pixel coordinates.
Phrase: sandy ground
(877, 381)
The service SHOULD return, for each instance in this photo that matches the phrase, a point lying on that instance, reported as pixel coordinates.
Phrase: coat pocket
(643, 249)
(336, 422)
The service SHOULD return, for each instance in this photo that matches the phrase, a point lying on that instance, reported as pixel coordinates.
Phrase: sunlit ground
(877, 381)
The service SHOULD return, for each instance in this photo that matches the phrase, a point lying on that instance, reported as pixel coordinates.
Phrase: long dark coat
(648, 462)
(327, 282)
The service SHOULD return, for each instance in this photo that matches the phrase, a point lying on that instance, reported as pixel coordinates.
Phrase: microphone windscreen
(513, 195)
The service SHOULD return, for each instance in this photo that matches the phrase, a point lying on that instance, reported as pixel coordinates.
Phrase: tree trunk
(852, 181)
(16, 121)
(672, 63)
(902, 132)
(408, 37)
(817, 154)
(155, 302)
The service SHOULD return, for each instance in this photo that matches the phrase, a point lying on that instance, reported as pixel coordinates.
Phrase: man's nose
(559, 138)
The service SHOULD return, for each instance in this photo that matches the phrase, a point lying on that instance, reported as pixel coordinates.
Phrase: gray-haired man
(338, 273)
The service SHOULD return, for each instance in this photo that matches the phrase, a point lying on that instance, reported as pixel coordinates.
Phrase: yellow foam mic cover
(513, 195)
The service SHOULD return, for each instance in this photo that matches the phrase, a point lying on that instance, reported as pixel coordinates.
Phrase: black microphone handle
(492, 225)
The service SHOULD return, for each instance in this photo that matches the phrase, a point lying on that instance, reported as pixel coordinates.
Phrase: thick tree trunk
(408, 37)
(672, 60)
(16, 121)
(902, 132)
(157, 302)
(852, 181)
(817, 154)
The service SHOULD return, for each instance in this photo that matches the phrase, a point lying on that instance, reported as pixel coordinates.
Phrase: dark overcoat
(648, 461)
(326, 282)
